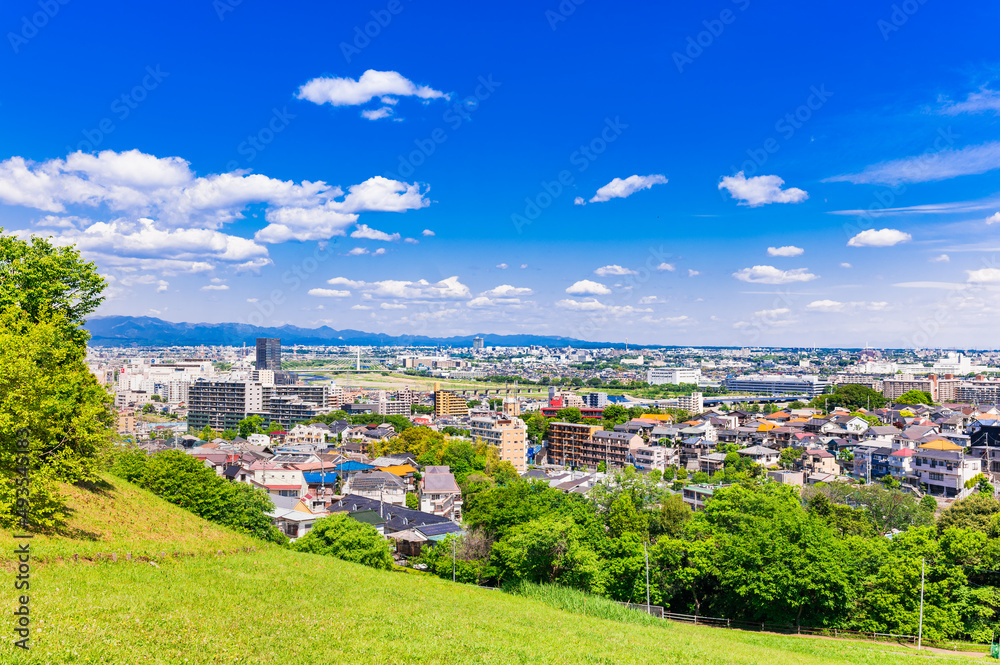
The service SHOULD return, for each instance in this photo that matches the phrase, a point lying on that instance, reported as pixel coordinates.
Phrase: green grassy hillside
(121, 518)
(277, 606)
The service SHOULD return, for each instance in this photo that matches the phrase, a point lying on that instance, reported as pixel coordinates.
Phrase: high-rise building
(447, 403)
(508, 435)
(269, 354)
(477, 343)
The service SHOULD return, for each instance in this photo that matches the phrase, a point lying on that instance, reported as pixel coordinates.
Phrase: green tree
(412, 501)
(49, 283)
(250, 425)
(550, 549)
(569, 415)
(347, 539)
(789, 458)
(672, 517)
(623, 518)
(914, 397)
(602, 467)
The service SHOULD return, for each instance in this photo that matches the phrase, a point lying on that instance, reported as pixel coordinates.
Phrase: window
(937, 476)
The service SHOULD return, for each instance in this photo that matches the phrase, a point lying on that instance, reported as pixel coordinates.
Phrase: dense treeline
(185, 481)
(758, 552)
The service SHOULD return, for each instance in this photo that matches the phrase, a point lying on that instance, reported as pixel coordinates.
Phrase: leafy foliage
(342, 537)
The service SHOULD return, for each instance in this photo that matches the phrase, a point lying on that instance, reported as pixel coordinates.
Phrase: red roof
(902, 452)
(283, 487)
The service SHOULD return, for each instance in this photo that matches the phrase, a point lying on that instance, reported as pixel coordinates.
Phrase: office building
(776, 384)
(673, 375)
(269, 354)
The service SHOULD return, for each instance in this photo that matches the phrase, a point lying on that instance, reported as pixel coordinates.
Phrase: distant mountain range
(150, 331)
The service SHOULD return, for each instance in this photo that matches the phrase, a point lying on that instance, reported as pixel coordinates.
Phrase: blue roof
(351, 465)
(318, 477)
(439, 529)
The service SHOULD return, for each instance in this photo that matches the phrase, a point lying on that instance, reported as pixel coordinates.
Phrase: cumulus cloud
(614, 270)
(390, 305)
(879, 238)
(941, 258)
(579, 201)
(133, 186)
(760, 190)
(507, 291)
(846, 265)
(693, 273)
(620, 189)
(446, 289)
(666, 267)
(350, 92)
(651, 300)
(837, 306)
(364, 231)
(427, 233)
(929, 166)
(377, 114)
(329, 293)
(786, 251)
(984, 276)
(588, 287)
(215, 287)
(772, 275)
(502, 266)
(994, 218)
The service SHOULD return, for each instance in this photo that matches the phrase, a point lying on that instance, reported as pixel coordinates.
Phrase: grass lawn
(282, 607)
(122, 518)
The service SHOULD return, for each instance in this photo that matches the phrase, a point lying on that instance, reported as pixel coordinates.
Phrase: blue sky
(601, 171)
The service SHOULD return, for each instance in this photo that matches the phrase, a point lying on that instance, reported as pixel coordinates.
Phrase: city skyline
(733, 175)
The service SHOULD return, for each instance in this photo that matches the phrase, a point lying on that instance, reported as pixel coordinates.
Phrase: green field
(277, 606)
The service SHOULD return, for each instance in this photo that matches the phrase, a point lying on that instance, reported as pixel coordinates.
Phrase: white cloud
(502, 266)
(772, 275)
(379, 252)
(446, 289)
(928, 167)
(666, 267)
(846, 265)
(984, 276)
(879, 238)
(614, 270)
(358, 251)
(523, 266)
(977, 102)
(786, 251)
(760, 190)
(507, 291)
(253, 265)
(378, 194)
(252, 300)
(579, 201)
(360, 307)
(329, 293)
(585, 305)
(215, 287)
(825, 306)
(588, 287)
(391, 305)
(427, 233)
(377, 114)
(994, 218)
(365, 231)
(620, 189)
(349, 92)
(693, 273)
(942, 258)
(162, 286)
(651, 300)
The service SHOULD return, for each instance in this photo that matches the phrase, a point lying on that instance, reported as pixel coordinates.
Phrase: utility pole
(920, 630)
(645, 553)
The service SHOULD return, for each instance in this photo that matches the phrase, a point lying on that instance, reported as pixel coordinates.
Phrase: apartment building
(978, 391)
(655, 457)
(508, 435)
(673, 375)
(693, 403)
(566, 441)
(391, 407)
(447, 403)
(894, 387)
(223, 404)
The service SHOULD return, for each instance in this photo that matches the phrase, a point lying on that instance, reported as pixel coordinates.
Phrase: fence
(837, 633)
